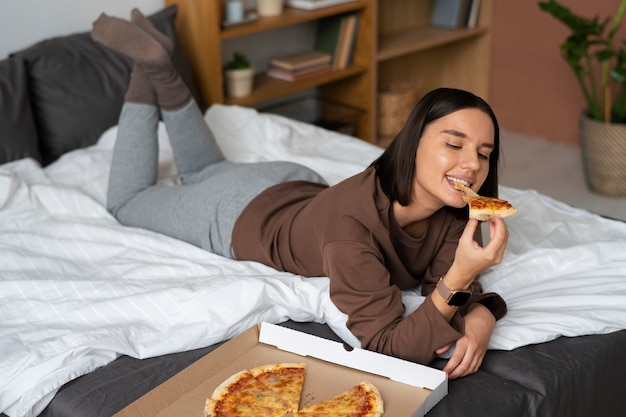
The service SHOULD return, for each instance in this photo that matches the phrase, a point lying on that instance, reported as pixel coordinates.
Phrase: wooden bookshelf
(395, 45)
(200, 30)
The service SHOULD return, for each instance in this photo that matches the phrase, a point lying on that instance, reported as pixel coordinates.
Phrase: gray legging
(213, 191)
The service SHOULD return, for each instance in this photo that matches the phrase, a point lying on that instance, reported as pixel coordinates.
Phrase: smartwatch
(454, 298)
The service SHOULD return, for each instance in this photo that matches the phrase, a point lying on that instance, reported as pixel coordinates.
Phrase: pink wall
(533, 91)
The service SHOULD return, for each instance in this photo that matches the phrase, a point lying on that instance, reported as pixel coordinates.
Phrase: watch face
(459, 298)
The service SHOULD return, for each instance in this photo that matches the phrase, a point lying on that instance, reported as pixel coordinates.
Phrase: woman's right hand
(471, 258)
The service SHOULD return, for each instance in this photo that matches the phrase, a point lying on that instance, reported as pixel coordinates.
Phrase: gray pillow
(18, 135)
(77, 86)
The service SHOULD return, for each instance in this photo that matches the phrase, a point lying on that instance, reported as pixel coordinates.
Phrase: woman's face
(455, 147)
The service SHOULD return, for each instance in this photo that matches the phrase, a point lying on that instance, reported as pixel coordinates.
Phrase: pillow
(18, 135)
(77, 86)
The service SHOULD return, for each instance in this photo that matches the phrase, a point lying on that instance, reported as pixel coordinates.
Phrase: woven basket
(604, 156)
(394, 106)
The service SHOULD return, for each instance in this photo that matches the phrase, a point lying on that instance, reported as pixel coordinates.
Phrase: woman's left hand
(470, 349)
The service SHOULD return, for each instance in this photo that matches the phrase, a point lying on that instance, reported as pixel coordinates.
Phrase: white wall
(25, 22)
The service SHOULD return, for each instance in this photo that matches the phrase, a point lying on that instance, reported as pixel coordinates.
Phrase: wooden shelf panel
(267, 88)
(290, 16)
(398, 44)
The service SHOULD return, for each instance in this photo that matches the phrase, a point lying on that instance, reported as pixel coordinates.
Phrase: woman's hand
(470, 349)
(471, 259)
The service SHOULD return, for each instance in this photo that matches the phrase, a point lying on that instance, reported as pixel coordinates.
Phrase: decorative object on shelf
(239, 76)
(590, 45)
(314, 4)
(395, 103)
(250, 16)
(235, 11)
(269, 7)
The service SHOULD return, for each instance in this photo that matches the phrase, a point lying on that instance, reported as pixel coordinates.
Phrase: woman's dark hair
(396, 166)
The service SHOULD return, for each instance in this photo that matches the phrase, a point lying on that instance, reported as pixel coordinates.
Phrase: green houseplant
(239, 75)
(238, 61)
(598, 61)
(592, 45)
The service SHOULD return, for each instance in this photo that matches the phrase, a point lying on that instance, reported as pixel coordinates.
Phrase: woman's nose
(470, 160)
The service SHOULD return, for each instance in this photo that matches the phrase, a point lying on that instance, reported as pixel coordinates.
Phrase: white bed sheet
(77, 289)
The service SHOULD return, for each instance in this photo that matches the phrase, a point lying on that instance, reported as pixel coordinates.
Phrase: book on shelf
(449, 14)
(295, 75)
(347, 41)
(455, 14)
(472, 14)
(336, 36)
(300, 60)
(314, 4)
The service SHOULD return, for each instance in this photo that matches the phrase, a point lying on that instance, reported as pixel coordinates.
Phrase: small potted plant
(598, 61)
(239, 76)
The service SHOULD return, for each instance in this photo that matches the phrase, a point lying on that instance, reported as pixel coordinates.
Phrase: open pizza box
(408, 389)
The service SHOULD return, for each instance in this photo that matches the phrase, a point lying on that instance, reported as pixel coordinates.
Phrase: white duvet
(77, 289)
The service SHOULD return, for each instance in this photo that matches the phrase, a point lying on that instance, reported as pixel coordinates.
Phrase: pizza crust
(485, 208)
(486, 215)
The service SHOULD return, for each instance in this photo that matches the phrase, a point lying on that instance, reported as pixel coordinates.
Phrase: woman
(399, 224)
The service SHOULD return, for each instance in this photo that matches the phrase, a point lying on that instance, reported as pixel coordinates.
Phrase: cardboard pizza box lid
(408, 389)
(309, 345)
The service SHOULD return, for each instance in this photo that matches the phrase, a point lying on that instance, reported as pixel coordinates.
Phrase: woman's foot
(130, 40)
(151, 59)
(144, 23)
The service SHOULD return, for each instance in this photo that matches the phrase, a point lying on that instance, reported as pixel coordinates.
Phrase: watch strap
(448, 295)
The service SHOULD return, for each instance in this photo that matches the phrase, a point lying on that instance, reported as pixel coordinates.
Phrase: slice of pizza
(285, 379)
(484, 208)
(243, 390)
(362, 400)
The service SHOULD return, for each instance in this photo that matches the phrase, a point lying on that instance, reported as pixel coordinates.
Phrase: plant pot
(239, 82)
(603, 147)
(269, 7)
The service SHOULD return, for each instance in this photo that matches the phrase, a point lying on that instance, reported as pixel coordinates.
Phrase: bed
(94, 314)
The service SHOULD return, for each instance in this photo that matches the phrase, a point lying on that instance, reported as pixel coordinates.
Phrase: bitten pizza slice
(285, 379)
(362, 400)
(484, 208)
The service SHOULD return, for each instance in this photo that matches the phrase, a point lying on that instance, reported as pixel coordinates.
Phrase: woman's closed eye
(458, 147)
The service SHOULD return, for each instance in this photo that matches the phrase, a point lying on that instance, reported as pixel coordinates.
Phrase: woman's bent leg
(192, 141)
